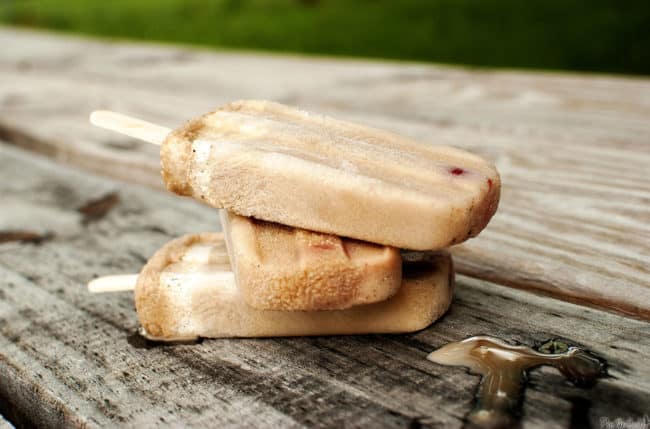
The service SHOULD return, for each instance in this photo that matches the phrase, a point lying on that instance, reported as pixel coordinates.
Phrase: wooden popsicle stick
(116, 283)
(132, 127)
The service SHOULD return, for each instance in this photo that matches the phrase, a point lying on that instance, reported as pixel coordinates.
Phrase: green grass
(596, 35)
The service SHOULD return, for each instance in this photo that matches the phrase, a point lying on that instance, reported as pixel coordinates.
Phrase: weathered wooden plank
(68, 358)
(572, 150)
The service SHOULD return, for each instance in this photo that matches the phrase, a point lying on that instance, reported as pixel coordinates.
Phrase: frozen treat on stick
(186, 290)
(284, 268)
(269, 161)
(280, 164)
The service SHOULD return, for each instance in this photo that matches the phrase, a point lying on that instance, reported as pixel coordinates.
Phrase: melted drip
(503, 369)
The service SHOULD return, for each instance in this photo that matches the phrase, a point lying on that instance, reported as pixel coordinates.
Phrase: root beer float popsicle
(300, 191)
(284, 268)
(272, 162)
(186, 291)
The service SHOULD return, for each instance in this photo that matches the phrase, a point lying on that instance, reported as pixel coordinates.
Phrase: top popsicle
(276, 163)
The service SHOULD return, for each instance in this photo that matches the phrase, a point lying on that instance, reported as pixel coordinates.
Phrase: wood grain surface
(72, 359)
(573, 150)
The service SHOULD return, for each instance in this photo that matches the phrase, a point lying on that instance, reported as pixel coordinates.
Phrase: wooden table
(573, 228)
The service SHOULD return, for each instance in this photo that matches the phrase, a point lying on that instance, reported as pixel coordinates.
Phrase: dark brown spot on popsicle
(456, 171)
(489, 182)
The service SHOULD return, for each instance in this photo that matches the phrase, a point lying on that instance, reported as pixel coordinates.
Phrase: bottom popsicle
(186, 291)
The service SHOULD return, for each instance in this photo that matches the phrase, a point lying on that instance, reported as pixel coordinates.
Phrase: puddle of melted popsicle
(503, 368)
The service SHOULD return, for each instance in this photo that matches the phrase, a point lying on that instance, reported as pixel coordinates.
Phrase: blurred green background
(596, 35)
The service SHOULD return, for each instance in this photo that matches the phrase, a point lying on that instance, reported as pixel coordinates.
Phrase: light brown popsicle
(185, 291)
(284, 268)
(269, 161)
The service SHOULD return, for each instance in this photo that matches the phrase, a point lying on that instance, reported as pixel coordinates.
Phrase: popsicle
(186, 290)
(284, 268)
(276, 163)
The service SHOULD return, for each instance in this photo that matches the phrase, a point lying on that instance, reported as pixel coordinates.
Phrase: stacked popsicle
(314, 213)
